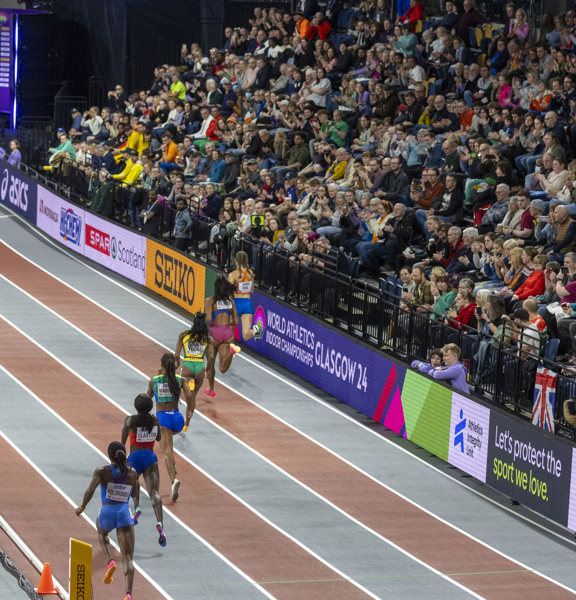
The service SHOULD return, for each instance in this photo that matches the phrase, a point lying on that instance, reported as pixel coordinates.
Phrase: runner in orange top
(242, 278)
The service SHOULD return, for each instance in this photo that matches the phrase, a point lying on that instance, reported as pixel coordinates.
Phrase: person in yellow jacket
(136, 140)
(341, 171)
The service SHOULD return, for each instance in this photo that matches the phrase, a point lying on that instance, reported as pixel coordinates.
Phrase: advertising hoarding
(175, 276)
(115, 247)
(18, 192)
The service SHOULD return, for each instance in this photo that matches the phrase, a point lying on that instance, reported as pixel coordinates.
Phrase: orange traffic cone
(46, 585)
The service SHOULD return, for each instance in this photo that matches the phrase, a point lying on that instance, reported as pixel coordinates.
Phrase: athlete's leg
(198, 381)
(211, 352)
(152, 479)
(166, 442)
(105, 545)
(247, 331)
(225, 356)
(125, 537)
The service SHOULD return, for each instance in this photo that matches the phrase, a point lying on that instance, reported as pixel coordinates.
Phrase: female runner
(144, 429)
(242, 278)
(117, 482)
(194, 343)
(166, 388)
(222, 315)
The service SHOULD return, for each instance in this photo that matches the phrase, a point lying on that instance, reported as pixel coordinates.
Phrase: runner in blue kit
(118, 481)
(242, 278)
(143, 429)
(166, 388)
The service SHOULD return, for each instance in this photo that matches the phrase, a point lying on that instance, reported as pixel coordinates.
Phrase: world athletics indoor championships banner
(516, 458)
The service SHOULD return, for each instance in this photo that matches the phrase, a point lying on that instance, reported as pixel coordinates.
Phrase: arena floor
(286, 493)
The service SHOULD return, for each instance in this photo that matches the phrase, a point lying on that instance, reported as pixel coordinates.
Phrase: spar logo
(98, 240)
(70, 226)
(14, 190)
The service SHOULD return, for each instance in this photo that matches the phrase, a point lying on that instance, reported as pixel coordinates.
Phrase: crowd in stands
(438, 148)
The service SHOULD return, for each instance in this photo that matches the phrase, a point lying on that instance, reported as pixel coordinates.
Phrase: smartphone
(537, 169)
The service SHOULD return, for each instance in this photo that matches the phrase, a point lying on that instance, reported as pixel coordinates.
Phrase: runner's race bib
(223, 305)
(244, 287)
(195, 349)
(143, 436)
(164, 390)
(118, 492)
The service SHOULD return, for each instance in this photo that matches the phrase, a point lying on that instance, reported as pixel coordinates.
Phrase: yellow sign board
(174, 276)
(80, 570)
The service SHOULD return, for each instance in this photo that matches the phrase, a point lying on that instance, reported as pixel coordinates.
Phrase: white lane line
(7, 216)
(66, 497)
(29, 554)
(184, 457)
(93, 447)
(256, 453)
(160, 308)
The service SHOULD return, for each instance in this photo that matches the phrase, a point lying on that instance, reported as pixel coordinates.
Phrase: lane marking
(185, 458)
(315, 398)
(68, 499)
(272, 464)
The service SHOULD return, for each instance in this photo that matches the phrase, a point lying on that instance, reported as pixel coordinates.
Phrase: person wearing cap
(76, 120)
(387, 105)
(298, 157)
(231, 171)
(229, 97)
(100, 195)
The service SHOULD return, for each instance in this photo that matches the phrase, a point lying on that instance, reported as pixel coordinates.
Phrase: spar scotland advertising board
(18, 192)
(114, 247)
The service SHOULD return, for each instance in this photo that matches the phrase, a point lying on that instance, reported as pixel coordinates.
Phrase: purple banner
(18, 192)
(361, 377)
(6, 62)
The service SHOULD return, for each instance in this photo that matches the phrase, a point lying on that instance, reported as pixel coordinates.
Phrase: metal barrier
(498, 374)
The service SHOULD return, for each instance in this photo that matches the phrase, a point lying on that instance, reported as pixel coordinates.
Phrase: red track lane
(45, 521)
(470, 563)
(254, 546)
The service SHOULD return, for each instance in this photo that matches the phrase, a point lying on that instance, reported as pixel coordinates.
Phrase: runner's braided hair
(169, 364)
(242, 262)
(117, 456)
(143, 405)
(199, 331)
(223, 289)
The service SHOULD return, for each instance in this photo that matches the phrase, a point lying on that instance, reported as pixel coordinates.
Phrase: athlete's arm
(189, 399)
(159, 434)
(125, 429)
(96, 479)
(150, 391)
(178, 351)
(208, 308)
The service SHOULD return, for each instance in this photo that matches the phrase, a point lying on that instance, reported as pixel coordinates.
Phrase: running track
(284, 495)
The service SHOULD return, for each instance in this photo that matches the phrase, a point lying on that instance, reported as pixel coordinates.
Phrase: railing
(357, 308)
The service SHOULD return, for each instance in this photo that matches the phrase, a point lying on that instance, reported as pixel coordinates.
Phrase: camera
(257, 221)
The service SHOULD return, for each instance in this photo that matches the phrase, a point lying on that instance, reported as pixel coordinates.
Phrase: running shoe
(191, 384)
(137, 514)
(128, 597)
(234, 349)
(258, 332)
(209, 393)
(162, 537)
(175, 488)
(110, 570)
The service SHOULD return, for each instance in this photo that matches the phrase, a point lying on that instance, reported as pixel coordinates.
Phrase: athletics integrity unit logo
(260, 318)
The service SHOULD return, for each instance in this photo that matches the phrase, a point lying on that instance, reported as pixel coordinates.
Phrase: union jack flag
(544, 399)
